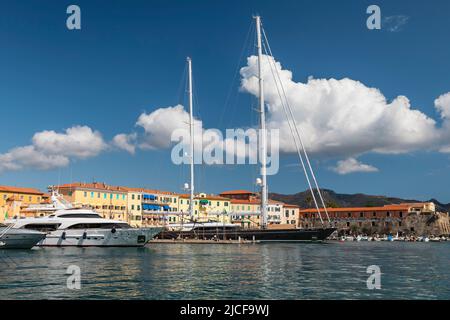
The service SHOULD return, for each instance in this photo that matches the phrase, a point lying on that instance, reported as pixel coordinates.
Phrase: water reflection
(262, 271)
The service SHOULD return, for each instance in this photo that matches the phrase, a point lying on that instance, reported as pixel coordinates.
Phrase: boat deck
(200, 241)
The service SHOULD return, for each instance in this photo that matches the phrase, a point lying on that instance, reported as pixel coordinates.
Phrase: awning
(166, 207)
(204, 201)
(149, 206)
(149, 196)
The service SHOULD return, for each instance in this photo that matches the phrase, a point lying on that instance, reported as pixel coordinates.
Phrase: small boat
(11, 238)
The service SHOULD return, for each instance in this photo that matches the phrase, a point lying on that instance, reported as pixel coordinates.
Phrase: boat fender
(63, 235)
(84, 235)
(113, 230)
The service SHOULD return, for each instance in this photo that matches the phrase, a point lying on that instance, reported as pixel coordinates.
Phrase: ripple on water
(263, 271)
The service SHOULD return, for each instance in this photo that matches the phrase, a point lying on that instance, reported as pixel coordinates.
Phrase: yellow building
(12, 199)
(108, 201)
(246, 212)
(134, 207)
(152, 207)
(206, 208)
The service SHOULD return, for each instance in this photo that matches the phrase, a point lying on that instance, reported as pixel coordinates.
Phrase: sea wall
(412, 224)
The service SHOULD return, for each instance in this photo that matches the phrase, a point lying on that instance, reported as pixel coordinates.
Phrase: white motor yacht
(84, 228)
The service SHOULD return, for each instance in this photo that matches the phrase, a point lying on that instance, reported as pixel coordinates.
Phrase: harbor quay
(142, 207)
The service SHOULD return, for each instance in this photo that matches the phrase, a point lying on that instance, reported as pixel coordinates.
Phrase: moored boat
(84, 228)
(11, 238)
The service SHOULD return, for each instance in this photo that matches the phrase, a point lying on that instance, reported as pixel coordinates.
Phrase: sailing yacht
(214, 230)
(68, 226)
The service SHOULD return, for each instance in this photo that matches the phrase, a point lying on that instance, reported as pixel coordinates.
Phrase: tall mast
(263, 143)
(191, 129)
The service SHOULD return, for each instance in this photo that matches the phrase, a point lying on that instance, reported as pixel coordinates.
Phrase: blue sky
(129, 58)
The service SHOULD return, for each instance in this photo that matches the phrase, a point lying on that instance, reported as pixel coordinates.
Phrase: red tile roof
(207, 197)
(20, 190)
(91, 186)
(242, 201)
(231, 192)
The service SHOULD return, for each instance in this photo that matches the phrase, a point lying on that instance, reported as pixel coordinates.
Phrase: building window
(123, 197)
(132, 197)
(139, 207)
(373, 223)
(110, 195)
(401, 214)
(374, 214)
(85, 194)
(388, 214)
(132, 207)
(139, 197)
(348, 224)
(29, 198)
(92, 194)
(98, 195)
(349, 215)
(361, 215)
(226, 204)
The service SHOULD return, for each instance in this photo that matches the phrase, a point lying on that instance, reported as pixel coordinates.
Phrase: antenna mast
(263, 143)
(191, 130)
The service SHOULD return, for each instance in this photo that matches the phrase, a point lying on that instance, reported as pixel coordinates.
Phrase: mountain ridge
(333, 199)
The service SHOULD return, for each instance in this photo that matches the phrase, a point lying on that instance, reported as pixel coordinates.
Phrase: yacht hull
(261, 235)
(99, 238)
(19, 239)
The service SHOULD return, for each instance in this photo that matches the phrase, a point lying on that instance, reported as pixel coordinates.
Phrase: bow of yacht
(11, 238)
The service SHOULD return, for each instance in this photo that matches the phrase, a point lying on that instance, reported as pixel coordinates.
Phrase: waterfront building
(290, 214)
(274, 212)
(246, 212)
(239, 195)
(207, 207)
(159, 207)
(134, 206)
(406, 218)
(13, 199)
(109, 201)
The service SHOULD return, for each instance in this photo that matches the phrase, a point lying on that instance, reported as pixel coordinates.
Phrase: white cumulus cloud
(50, 149)
(352, 165)
(125, 142)
(343, 117)
(442, 104)
(161, 123)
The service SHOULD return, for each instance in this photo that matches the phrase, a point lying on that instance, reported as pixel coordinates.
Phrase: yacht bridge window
(99, 226)
(44, 227)
(80, 215)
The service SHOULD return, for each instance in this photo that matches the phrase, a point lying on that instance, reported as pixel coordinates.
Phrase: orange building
(13, 199)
